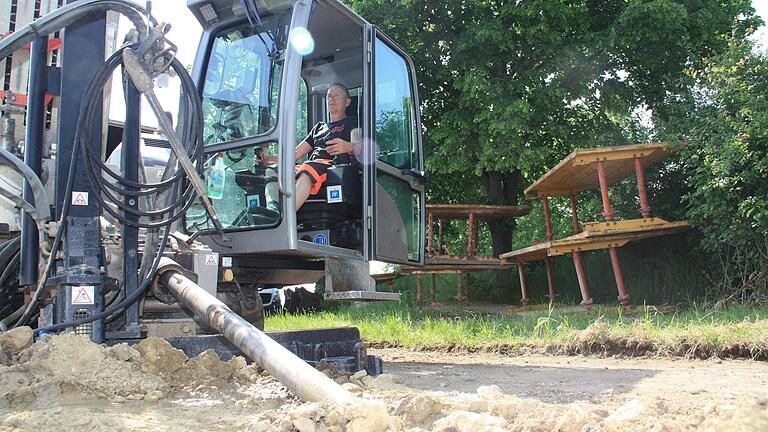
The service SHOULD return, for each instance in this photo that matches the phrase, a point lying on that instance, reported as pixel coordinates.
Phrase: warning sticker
(82, 295)
(211, 260)
(80, 198)
(226, 262)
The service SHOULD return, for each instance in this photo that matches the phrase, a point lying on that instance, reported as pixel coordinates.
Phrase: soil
(66, 383)
(567, 379)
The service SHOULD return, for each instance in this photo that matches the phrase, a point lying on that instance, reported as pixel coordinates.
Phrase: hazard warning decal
(82, 295)
(211, 260)
(80, 198)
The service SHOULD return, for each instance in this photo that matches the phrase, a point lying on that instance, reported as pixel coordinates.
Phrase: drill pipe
(306, 382)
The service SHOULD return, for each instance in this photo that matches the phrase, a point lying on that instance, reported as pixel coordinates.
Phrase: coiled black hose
(181, 193)
(10, 300)
(95, 167)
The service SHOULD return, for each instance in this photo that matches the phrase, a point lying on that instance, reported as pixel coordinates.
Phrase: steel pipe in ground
(303, 380)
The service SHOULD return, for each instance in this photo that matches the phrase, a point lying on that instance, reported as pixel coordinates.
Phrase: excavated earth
(67, 383)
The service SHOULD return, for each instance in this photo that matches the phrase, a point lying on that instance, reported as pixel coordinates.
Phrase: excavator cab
(263, 69)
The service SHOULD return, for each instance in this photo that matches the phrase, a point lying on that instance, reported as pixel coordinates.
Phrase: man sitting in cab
(333, 143)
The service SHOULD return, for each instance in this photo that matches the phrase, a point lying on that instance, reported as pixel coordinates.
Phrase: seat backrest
(354, 109)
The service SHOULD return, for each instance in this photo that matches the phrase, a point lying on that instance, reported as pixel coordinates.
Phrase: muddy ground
(66, 383)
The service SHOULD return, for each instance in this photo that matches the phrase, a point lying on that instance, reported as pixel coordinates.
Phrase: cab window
(242, 83)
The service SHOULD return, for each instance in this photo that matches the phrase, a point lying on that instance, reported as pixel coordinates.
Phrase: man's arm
(301, 150)
(340, 146)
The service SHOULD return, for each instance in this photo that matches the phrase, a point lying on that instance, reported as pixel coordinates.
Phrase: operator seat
(338, 207)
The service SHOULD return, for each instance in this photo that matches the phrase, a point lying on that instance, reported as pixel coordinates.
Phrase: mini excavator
(119, 232)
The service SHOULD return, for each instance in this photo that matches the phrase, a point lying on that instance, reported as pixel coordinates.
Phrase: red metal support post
(458, 287)
(623, 297)
(468, 286)
(550, 280)
(440, 236)
(419, 298)
(586, 297)
(575, 215)
(645, 209)
(547, 218)
(471, 238)
(607, 212)
(577, 263)
(433, 290)
(523, 284)
(430, 246)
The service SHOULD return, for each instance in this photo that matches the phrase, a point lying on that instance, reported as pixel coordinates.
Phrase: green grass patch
(735, 332)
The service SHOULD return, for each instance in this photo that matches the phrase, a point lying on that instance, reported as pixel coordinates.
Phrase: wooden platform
(576, 172)
(483, 212)
(597, 235)
(453, 264)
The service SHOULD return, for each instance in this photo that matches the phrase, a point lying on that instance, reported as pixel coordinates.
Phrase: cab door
(397, 179)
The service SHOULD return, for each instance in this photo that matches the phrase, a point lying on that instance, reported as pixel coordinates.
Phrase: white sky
(761, 6)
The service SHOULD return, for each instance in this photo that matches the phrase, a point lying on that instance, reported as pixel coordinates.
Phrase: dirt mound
(68, 367)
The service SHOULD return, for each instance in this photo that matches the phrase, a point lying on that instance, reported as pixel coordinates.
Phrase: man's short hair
(342, 87)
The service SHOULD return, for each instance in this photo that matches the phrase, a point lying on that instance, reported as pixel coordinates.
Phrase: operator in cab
(328, 144)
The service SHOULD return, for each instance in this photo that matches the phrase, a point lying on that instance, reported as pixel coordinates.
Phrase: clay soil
(66, 383)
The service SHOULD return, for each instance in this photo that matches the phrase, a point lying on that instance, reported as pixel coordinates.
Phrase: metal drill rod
(303, 380)
(181, 155)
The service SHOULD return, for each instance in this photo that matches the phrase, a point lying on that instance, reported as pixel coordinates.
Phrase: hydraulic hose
(9, 259)
(48, 24)
(96, 167)
(173, 186)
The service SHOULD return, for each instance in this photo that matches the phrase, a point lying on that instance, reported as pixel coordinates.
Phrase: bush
(727, 166)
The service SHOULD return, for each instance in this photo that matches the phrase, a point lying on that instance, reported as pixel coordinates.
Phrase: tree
(726, 167)
(509, 88)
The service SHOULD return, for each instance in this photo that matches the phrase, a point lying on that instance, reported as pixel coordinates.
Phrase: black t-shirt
(323, 132)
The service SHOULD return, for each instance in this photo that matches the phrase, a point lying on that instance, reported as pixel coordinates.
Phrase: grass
(736, 332)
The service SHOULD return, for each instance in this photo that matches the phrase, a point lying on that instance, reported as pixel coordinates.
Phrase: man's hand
(339, 146)
(268, 159)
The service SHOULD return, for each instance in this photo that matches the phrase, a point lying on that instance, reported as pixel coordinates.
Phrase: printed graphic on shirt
(323, 132)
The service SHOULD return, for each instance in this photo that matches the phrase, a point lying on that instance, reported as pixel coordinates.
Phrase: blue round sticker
(320, 239)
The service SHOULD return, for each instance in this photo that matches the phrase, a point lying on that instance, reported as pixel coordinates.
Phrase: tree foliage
(726, 166)
(508, 88)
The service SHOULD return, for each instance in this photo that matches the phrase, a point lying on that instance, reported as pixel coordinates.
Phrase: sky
(761, 7)
(185, 33)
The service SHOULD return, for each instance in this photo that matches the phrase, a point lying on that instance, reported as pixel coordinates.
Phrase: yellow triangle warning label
(82, 295)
